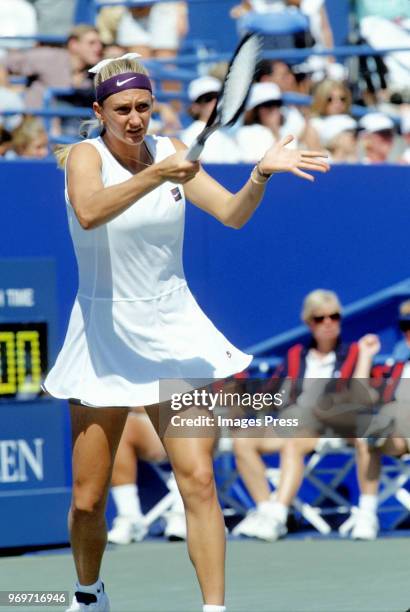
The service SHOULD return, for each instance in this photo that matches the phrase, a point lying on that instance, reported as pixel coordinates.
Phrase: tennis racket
(234, 93)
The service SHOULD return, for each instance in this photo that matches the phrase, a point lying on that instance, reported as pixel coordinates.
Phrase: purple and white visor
(121, 82)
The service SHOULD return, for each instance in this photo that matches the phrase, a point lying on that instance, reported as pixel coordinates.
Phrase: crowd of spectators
(341, 93)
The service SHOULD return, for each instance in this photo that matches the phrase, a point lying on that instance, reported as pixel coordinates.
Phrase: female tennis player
(134, 320)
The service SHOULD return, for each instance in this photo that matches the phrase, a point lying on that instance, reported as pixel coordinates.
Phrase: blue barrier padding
(344, 232)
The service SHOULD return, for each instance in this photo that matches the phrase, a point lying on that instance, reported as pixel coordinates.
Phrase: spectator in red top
(325, 358)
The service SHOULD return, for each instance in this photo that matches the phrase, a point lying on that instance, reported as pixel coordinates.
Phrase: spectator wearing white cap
(220, 146)
(338, 133)
(266, 121)
(377, 138)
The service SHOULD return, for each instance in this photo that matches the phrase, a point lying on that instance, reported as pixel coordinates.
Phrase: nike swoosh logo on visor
(119, 83)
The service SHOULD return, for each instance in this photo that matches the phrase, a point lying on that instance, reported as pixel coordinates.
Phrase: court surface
(294, 575)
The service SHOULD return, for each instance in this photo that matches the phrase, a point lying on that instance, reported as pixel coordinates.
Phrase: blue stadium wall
(347, 231)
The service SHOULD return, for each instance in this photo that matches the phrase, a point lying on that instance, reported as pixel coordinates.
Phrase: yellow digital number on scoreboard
(23, 358)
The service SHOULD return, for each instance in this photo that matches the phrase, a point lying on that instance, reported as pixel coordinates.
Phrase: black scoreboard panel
(23, 359)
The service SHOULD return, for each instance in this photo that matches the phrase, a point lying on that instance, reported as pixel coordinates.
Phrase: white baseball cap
(376, 122)
(332, 126)
(203, 85)
(262, 93)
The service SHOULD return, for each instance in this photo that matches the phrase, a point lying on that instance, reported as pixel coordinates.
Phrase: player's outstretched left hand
(280, 159)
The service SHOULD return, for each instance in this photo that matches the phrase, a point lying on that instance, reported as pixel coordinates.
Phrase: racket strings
(238, 80)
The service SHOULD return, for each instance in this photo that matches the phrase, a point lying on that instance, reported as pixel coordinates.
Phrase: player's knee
(87, 501)
(198, 485)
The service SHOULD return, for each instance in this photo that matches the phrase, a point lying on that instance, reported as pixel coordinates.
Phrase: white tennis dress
(134, 321)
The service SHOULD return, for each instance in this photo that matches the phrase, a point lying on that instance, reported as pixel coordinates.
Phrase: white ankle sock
(127, 500)
(211, 608)
(276, 509)
(368, 503)
(90, 588)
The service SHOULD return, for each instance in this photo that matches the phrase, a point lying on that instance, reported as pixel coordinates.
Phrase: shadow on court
(287, 576)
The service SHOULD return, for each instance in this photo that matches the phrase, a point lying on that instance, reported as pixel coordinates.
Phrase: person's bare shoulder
(84, 154)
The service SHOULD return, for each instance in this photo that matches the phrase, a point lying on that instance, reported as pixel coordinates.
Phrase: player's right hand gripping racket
(234, 93)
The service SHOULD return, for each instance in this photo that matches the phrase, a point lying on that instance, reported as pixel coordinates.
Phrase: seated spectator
(324, 357)
(377, 138)
(220, 146)
(46, 66)
(329, 98)
(386, 25)
(390, 431)
(17, 18)
(30, 139)
(338, 133)
(278, 72)
(266, 121)
(153, 29)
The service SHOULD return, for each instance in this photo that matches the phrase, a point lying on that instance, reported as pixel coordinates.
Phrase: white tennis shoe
(366, 526)
(127, 529)
(87, 602)
(262, 526)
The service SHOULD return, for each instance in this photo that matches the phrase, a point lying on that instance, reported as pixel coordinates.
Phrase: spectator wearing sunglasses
(329, 98)
(389, 433)
(324, 356)
(266, 121)
(220, 148)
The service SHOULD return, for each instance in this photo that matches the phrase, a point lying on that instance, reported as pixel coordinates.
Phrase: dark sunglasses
(335, 316)
(206, 98)
(404, 326)
(340, 98)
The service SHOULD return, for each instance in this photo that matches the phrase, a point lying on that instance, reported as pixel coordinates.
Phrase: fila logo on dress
(176, 194)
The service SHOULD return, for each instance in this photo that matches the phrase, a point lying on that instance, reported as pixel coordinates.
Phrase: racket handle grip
(194, 151)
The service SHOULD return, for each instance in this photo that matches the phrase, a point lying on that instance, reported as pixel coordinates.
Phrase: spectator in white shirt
(338, 133)
(220, 146)
(267, 121)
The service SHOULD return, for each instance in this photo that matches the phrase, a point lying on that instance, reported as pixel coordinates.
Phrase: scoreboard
(34, 470)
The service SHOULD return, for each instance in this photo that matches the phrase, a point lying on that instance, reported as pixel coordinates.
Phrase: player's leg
(192, 462)
(96, 433)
